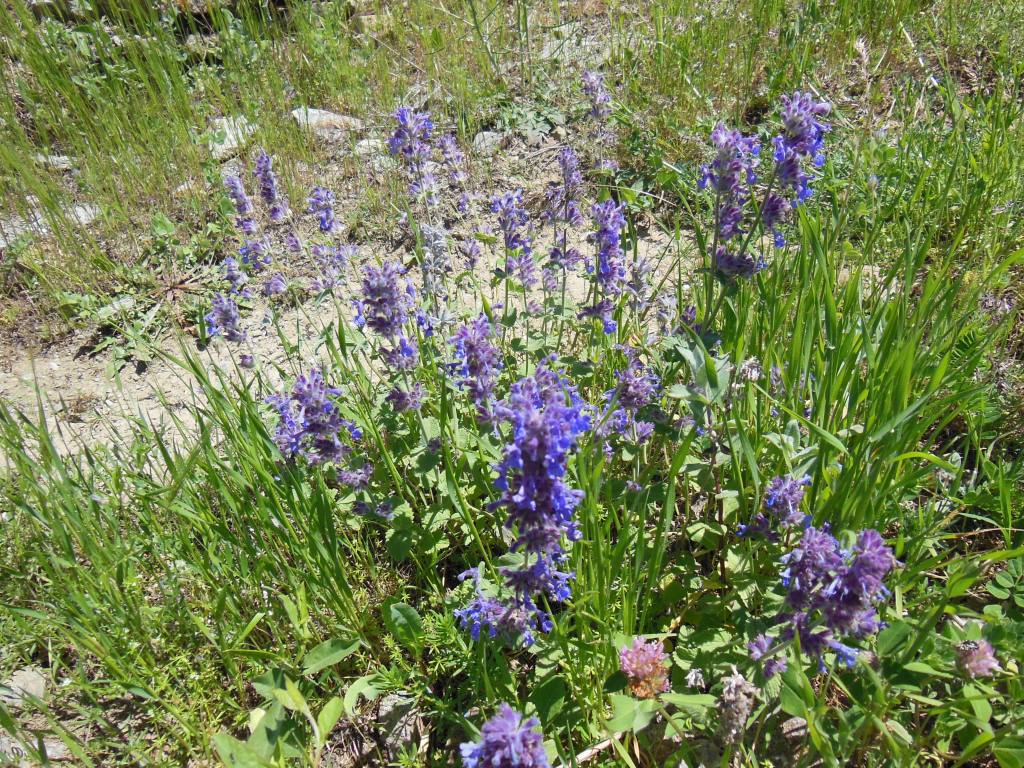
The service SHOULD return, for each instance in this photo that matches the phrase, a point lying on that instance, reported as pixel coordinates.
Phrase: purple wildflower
(243, 206)
(646, 667)
(453, 158)
(276, 285)
(357, 477)
(255, 255)
(403, 400)
(802, 138)
(603, 310)
(732, 265)
(224, 319)
(609, 221)
(730, 175)
(512, 219)
(563, 194)
(832, 592)
(637, 386)
(309, 423)
(477, 361)
(411, 138)
(547, 417)
(783, 499)
(595, 90)
(469, 247)
(507, 741)
(321, 204)
(246, 361)
(386, 302)
(234, 275)
(267, 181)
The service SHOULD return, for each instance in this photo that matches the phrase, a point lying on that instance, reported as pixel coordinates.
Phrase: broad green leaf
(328, 653)
(403, 622)
(1009, 751)
(629, 714)
(329, 717)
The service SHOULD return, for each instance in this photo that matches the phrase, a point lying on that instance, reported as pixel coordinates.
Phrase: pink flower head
(645, 665)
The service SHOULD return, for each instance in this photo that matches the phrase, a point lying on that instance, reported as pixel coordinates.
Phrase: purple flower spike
(609, 222)
(321, 205)
(224, 319)
(477, 362)
(783, 497)
(267, 181)
(387, 299)
(595, 90)
(309, 424)
(507, 741)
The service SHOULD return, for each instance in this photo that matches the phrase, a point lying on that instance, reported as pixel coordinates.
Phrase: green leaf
(237, 754)
(329, 716)
(1009, 751)
(162, 226)
(892, 637)
(629, 714)
(327, 654)
(365, 686)
(403, 622)
(701, 700)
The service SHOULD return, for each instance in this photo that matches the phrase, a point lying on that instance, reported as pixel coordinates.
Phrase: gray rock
(400, 723)
(35, 223)
(236, 132)
(533, 138)
(329, 126)
(487, 143)
(26, 683)
(56, 162)
(370, 147)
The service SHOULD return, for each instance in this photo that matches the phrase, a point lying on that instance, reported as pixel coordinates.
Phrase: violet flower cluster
(547, 418)
(507, 740)
(831, 596)
(410, 144)
(513, 222)
(477, 363)
(637, 387)
(782, 503)
(243, 205)
(385, 307)
(607, 237)
(732, 176)
(563, 206)
(309, 422)
(223, 319)
(321, 204)
(267, 181)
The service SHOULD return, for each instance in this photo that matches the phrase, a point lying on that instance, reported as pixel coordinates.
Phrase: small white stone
(487, 142)
(327, 125)
(236, 132)
(25, 683)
